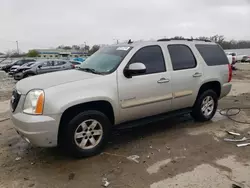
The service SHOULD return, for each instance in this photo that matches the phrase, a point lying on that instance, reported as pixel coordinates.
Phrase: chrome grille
(14, 100)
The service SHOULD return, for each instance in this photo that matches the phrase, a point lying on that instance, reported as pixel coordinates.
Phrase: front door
(186, 76)
(148, 94)
(46, 67)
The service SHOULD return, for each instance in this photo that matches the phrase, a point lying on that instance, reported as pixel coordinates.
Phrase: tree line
(86, 49)
(225, 44)
(220, 39)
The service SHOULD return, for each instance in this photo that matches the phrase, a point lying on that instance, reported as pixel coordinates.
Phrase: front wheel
(205, 106)
(28, 75)
(86, 134)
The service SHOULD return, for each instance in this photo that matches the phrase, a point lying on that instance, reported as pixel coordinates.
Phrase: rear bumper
(225, 89)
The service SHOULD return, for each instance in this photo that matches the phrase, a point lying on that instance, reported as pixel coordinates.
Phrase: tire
(28, 75)
(85, 136)
(17, 79)
(198, 112)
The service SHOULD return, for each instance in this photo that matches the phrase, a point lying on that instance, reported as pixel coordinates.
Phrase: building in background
(59, 53)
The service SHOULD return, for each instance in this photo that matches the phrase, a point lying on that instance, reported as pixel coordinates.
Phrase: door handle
(163, 80)
(197, 74)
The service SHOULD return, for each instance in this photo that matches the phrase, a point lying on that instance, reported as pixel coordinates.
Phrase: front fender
(62, 97)
(86, 100)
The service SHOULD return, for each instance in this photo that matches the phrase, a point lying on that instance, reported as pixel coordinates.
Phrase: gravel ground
(7, 84)
(177, 152)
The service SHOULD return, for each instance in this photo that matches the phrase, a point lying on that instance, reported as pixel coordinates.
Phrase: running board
(152, 119)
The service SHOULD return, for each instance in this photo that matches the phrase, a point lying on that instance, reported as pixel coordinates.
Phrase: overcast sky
(49, 23)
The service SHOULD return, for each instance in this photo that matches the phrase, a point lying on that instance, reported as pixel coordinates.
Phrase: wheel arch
(213, 85)
(103, 106)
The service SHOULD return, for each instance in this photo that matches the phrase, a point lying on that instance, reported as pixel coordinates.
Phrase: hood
(48, 80)
(7, 66)
(23, 67)
(15, 66)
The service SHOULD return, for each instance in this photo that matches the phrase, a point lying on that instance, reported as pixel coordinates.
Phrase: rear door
(60, 65)
(186, 76)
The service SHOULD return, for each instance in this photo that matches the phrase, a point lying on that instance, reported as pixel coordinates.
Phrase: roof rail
(164, 39)
(169, 39)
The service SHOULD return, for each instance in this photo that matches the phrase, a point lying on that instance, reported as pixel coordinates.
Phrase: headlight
(34, 101)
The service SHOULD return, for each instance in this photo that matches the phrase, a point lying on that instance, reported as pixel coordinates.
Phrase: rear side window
(28, 60)
(48, 64)
(151, 57)
(59, 63)
(212, 54)
(181, 56)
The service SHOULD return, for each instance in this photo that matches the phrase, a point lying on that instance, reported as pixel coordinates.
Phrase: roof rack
(169, 39)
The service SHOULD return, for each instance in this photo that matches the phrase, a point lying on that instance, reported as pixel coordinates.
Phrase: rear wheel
(86, 134)
(205, 106)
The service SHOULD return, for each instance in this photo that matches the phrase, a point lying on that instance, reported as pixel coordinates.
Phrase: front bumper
(225, 89)
(39, 130)
(11, 73)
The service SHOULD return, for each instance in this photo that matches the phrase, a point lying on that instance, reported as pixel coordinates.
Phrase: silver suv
(117, 85)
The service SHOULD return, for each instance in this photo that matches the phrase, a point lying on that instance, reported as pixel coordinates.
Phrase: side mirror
(135, 69)
(39, 66)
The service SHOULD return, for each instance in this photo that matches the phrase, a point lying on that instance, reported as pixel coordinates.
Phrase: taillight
(230, 73)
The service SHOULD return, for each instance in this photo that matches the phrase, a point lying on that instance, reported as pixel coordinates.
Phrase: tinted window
(47, 64)
(182, 57)
(58, 63)
(29, 64)
(151, 57)
(28, 60)
(212, 54)
(21, 62)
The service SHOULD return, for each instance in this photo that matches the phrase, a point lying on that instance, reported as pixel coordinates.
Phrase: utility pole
(84, 48)
(17, 48)
(117, 41)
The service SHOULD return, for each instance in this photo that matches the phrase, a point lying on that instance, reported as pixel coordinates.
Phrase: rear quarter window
(212, 54)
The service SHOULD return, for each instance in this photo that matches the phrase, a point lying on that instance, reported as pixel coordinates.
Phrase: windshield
(105, 60)
(28, 64)
(18, 62)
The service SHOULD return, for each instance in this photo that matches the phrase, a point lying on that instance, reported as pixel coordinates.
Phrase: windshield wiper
(91, 70)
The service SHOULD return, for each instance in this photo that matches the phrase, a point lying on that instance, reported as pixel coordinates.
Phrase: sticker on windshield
(123, 48)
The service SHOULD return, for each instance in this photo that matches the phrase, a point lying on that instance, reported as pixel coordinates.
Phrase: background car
(16, 68)
(44, 66)
(246, 59)
(7, 67)
(76, 63)
(81, 59)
